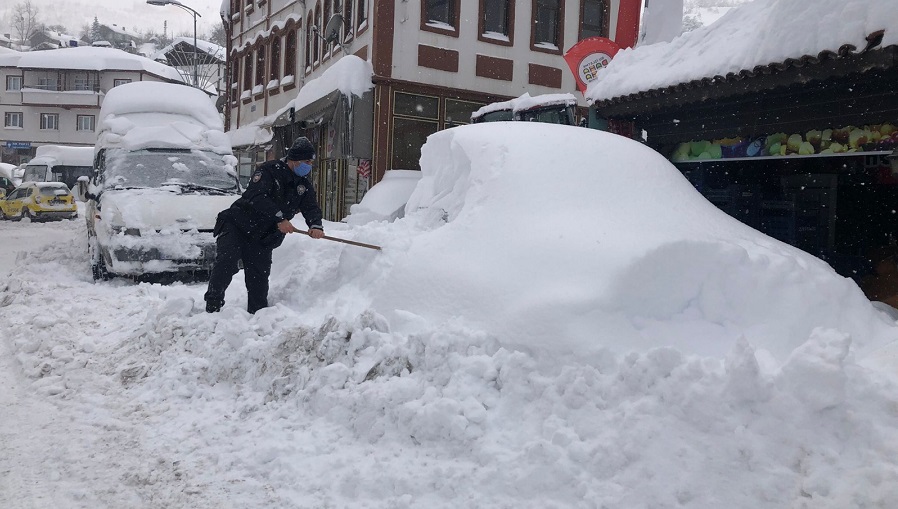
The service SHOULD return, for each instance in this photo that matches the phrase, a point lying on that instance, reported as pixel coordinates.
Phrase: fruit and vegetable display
(828, 141)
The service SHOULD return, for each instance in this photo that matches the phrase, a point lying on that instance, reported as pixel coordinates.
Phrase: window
(275, 61)
(118, 82)
(495, 16)
(13, 119)
(309, 40)
(13, 83)
(459, 112)
(361, 15)
(592, 18)
(347, 20)
(290, 54)
(50, 121)
(317, 47)
(248, 71)
(48, 84)
(85, 83)
(496, 22)
(85, 123)
(260, 65)
(440, 16)
(415, 118)
(547, 25)
(325, 17)
(439, 11)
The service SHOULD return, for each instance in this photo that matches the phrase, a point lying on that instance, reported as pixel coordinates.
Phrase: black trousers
(231, 247)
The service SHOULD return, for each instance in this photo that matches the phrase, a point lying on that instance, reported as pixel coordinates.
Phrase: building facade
(53, 97)
(434, 63)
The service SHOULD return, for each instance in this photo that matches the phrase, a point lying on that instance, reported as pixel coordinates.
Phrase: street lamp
(176, 3)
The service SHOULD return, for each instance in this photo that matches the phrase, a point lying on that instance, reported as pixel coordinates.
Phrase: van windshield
(35, 173)
(158, 167)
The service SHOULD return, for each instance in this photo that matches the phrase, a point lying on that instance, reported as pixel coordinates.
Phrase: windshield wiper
(190, 186)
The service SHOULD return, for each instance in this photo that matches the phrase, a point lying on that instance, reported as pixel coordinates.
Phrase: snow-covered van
(548, 108)
(163, 169)
(58, 163)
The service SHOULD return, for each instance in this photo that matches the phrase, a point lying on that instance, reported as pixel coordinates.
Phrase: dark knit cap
(302, 150)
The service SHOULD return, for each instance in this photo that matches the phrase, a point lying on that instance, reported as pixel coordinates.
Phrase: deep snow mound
(575, 240)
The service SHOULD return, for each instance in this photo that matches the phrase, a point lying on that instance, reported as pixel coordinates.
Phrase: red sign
(588, 57)
(364, 168)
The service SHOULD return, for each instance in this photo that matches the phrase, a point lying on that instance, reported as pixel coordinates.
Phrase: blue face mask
(302, 169)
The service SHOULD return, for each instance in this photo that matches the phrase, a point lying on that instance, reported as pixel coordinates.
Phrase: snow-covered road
(69, 434)
(620, 363)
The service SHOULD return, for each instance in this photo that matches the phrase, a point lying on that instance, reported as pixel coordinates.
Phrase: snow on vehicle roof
(59, 154)
(88, 58)
(149, 114)
(6, 170)
(753, 34)
(53, 185)
(526, 102)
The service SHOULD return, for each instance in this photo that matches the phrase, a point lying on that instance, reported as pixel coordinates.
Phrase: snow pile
(573, 327)
(386, 200)
(757, 33)
(629, 254)
(132, 117)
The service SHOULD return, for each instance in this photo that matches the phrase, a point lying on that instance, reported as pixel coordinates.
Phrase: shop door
(331, 179)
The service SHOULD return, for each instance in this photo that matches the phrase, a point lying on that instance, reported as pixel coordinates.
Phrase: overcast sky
(132, 14)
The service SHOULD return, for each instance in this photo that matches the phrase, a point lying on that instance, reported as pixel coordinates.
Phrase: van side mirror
(82, 193)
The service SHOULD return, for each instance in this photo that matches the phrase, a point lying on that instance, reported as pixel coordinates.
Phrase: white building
(434, 63)
(53, 97)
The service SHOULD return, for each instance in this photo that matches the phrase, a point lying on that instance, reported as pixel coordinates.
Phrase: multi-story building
(53, 97)
(434, 63)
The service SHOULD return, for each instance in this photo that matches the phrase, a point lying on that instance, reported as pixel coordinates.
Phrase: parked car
(163, 169)
(39, 201)
(548, 108)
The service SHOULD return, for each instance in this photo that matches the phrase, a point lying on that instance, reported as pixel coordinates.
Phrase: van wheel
(97, 264)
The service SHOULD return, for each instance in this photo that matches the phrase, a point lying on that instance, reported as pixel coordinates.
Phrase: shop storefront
(800, 150)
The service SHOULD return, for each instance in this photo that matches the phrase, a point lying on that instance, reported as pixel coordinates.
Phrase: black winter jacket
(274, 193)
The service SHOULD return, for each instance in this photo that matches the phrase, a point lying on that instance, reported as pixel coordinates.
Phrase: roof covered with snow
(88, 58)
(755, 34)
(211, 49)
(68, 156)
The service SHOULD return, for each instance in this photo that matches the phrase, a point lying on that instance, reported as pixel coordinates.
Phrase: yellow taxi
(39, 201)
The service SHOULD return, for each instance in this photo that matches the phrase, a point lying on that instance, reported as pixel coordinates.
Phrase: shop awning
(250, 135)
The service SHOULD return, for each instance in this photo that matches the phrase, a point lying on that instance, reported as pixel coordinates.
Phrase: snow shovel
(335, 239)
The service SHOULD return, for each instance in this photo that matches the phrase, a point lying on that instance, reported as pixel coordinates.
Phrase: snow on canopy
(350, 75)
(160, 115)
(526, 102)
(616, 250)
(88, 58)
(757, 33)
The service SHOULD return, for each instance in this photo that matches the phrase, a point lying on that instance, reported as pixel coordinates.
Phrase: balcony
(61, 98)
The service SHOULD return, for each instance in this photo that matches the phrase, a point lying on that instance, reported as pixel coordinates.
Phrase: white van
(163, 170)
(58, 163)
